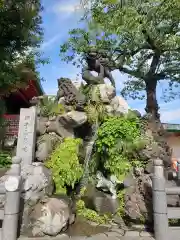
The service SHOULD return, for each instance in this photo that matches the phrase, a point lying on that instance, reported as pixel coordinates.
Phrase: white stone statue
(108, 184)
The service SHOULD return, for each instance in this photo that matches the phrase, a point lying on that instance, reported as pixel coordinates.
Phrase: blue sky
(59, 16)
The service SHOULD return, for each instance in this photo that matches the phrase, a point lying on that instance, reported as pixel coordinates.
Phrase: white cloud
(50, 42)
(170, 105)
(170, 116)
(66, 8)
(169, 112)
(119, 79)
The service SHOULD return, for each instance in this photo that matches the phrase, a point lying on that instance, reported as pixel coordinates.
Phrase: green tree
(142, 38)
(20, 31)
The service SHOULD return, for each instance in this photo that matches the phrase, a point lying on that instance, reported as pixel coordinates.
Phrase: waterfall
(89, 149)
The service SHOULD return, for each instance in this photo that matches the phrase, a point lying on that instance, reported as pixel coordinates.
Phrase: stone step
(113, 235)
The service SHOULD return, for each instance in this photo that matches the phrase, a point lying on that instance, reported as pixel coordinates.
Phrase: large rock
(41, 125)
(157, 146)
(77, 84)
(63, 125)
(138, 197)
(45, 146)
(119, 105)
(49, 217)
(100, 201)
(105, 92)
(73, 119)
(61, 101)
(64, 131)
(67, 108)
(37, 182)
(37, 217)
(138, 200)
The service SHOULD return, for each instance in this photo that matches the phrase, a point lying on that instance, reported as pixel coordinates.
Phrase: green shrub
(65, 166)
(50, 108)
(117, 148)
(86, 90)
(121, 210)
(118, 142)
(174, 222)
(5, 160)
(96, 112)
(89, 214)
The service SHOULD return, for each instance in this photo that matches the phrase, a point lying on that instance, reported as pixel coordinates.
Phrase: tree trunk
(151, 101)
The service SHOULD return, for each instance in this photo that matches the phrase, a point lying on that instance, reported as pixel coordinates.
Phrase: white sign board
(27, 135)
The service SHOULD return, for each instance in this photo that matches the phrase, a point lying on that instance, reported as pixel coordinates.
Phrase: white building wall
(174, 143)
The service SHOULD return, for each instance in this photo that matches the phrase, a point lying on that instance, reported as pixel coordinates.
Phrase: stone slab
(137, 238)
(132, 234)
(61, 237)
(100, 236)
(145, 234)
(27, 135)
(95, 237)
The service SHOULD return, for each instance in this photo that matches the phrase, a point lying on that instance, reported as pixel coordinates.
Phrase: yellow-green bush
(65, 166)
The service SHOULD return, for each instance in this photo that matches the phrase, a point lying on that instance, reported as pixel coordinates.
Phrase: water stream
(89, 149)
(82, 227)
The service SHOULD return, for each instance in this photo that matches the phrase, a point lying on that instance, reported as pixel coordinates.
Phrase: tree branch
(149, 40)
(160, 76)
(172, 50)
(144, 60)
(133, 73)
(153, 66)
(171, 70)
(133, 52)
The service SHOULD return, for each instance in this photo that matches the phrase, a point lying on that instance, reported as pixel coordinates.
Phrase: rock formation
(46, 214)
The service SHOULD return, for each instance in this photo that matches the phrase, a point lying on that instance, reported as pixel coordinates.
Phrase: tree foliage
(20, 32)
(142, 37)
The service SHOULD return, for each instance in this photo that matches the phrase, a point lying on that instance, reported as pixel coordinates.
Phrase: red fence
(12, 124)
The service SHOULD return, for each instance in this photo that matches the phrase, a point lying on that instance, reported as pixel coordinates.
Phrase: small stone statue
(97, 61)
(108, 185)
(70, 93)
